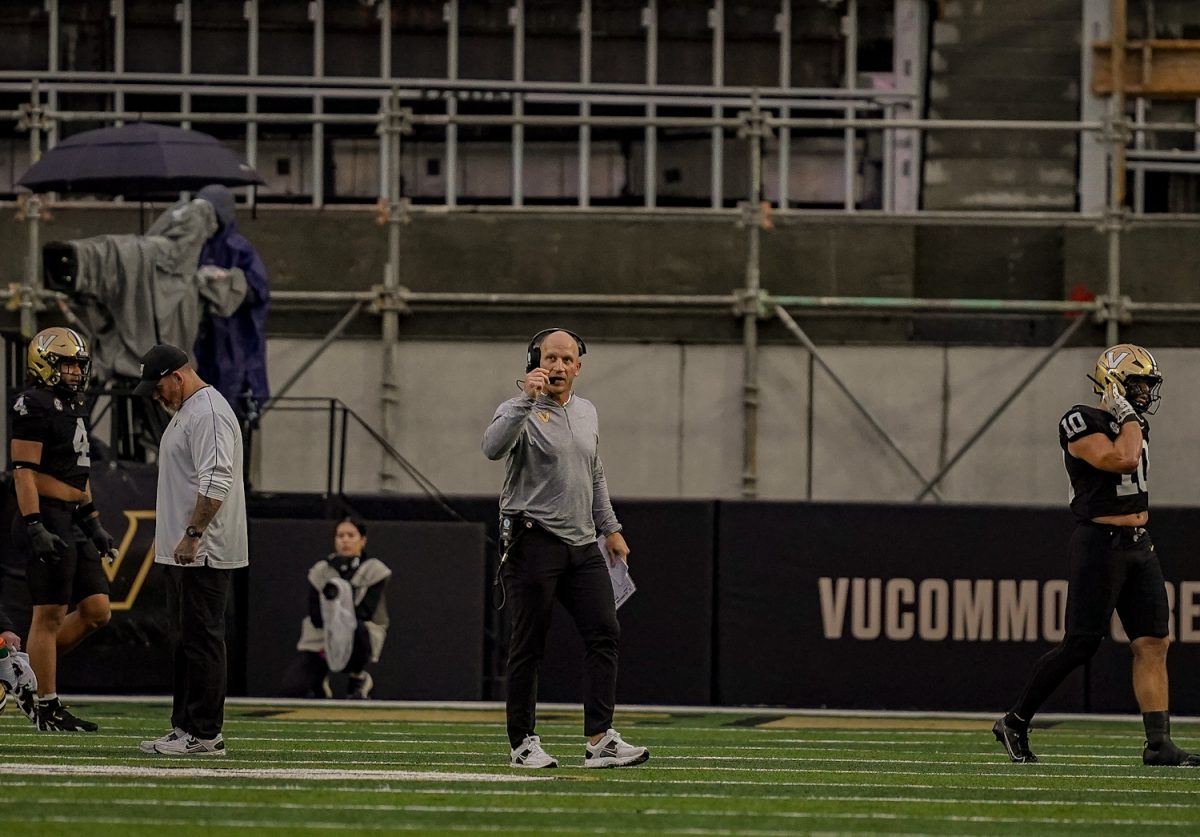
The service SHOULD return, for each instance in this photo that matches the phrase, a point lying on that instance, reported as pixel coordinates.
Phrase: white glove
(1117, 404)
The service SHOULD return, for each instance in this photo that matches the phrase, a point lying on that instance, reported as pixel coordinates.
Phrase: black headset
(533, 355)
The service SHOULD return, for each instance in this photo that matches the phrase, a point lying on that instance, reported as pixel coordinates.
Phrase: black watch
(192, 532)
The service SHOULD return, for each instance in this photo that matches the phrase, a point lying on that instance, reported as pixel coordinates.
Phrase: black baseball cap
(157, 364)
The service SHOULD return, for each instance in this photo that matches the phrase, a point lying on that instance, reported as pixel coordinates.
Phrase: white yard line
(262, 773)
(999, 769)
(544, 811)
(590, 791)
(344, 827)
(800, 802)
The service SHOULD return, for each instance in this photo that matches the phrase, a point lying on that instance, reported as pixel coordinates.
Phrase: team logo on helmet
(49, 349)
(1133, 372)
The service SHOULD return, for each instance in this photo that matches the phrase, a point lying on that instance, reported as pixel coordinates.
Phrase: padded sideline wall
(671, 422)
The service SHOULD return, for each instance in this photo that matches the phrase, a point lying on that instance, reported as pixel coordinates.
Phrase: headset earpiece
(533, 354)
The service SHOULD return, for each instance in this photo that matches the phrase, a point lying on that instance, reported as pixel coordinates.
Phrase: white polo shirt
(201, 453)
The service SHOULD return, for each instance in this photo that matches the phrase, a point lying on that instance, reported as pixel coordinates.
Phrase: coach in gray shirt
(553, 504)
(200, 537)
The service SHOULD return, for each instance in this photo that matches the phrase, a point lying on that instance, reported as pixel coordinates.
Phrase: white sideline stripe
(261, 773)
(983, 758)
(997, 763)
(541, 809)
(495, 729)
(589, 792)
(658, 812)
(1051, 746)
(403, 826)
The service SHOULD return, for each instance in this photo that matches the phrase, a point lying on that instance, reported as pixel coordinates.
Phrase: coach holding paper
(554, 501)
(200, 536)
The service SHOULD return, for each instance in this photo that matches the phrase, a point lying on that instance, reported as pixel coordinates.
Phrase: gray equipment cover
(117, 274)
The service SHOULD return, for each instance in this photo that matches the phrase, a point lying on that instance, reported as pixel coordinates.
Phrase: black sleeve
(6, 624)
(370, 600)
(29, 419)
(314, 607)
(1082, 421)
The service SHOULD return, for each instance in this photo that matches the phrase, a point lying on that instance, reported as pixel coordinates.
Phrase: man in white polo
(200, 538)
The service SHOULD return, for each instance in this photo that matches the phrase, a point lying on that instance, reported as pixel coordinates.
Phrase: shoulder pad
(1082, 420)
(34, 402)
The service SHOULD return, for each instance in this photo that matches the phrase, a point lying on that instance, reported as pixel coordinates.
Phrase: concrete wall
(671, 420)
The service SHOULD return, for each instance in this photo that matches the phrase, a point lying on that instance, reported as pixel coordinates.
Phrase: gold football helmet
(49, 348)
(1134, 372)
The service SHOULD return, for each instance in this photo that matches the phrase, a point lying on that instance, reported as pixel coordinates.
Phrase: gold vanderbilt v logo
(125, 586)
(544, 416)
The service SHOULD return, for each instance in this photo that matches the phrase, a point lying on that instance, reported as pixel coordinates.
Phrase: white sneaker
(612, 751)
(148, 746)
(190, 745)
(530, 754)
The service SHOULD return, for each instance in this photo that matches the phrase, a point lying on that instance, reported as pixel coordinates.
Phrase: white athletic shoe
(148, 746)
(612, 751)
(190, 745)
(531, 755)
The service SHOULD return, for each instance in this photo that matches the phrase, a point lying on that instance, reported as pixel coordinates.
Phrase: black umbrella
(135, 160)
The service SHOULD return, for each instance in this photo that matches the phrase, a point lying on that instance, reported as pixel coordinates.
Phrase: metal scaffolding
(755, 116)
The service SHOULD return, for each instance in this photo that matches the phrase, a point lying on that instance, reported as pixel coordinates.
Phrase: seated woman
(347, 611)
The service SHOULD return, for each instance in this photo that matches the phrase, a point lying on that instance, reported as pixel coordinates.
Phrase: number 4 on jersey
(80, 444)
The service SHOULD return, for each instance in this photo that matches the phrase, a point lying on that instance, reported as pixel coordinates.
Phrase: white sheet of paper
(618, 573)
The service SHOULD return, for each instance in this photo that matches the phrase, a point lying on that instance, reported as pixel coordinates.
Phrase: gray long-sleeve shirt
(553, 473)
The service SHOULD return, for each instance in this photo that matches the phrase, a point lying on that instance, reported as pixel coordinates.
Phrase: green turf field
(369, 769)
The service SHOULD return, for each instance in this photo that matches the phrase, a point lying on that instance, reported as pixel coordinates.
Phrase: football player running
(51, 463)
(1106, 451)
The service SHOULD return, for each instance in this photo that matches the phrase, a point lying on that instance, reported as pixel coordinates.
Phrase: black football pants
(196, 600)
(540, 569)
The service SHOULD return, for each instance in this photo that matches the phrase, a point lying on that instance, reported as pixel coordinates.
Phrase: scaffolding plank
(1158, 68)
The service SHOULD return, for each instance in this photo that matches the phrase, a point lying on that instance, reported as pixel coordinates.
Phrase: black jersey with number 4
(1096, 493)
(58, 421)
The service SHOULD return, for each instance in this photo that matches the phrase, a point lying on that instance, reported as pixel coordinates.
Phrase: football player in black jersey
(1113, 565)
(50, 460)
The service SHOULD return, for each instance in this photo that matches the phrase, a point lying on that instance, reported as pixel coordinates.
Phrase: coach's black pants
(196, 599)
(540, 569)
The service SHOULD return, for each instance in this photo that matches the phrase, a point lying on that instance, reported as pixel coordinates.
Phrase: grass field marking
(981, 758)
(473, 828)
(590, 790)
(997, 763)
(37, 740)
(259, 773)
(544, 811)
(589, 794)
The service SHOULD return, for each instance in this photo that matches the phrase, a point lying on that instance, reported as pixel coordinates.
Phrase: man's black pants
(540, 569)
(196, 599)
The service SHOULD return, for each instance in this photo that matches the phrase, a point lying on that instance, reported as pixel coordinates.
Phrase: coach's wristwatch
(192, 532)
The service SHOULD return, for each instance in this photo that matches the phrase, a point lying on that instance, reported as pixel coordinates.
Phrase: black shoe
(27, 701)
(359, 688)
(1015, 740)
(1169, 755)
(54, 717)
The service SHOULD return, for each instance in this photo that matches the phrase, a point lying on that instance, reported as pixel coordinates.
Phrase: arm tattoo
(206, 509)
